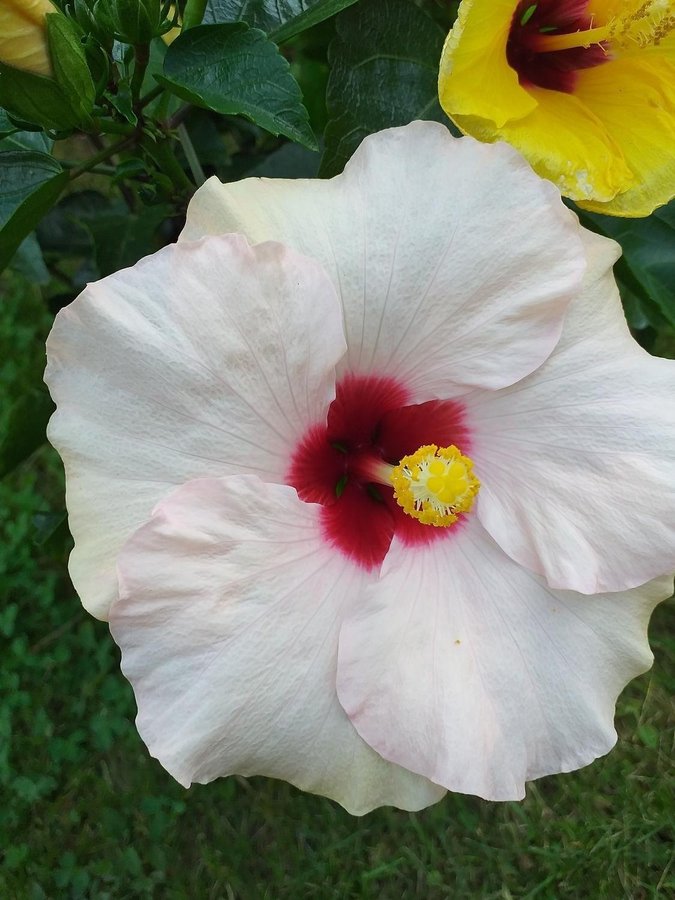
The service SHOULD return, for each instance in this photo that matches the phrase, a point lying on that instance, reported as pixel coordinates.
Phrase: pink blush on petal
(369, 418)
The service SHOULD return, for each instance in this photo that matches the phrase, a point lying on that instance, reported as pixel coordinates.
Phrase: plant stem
(163, 154)
(107, 126)
(101, 157)
(178, 117)
(141, 60)
(100, 169)
(191, 156)
(96, 170)
(193, 14)
(150, 96)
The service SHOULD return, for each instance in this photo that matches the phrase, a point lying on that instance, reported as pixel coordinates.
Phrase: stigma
(435, 485)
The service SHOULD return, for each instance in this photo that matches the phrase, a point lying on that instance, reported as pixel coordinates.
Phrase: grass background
(85, 813)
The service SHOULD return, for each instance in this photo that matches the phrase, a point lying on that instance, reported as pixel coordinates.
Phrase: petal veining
(228, 622)
(463, 666)
(204, 359)
(577, 462)
(436, 246)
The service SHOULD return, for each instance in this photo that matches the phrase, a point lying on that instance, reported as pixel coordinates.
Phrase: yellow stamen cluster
(435, 485)
(643, 25)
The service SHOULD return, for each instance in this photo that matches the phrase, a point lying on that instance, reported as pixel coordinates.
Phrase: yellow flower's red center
(529, 52)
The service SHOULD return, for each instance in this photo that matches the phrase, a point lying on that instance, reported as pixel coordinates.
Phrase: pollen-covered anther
(435, 484)
(644, 26)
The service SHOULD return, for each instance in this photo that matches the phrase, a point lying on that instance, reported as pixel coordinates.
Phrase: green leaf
(384, 73)
(120, 239)
(236, 70)
(25, 429)
(289, 161)
(64, 230)
(28, 260)
(280, 19)
(70, 64)
(30, 184)
(648, 260)
(27, 140)
(36, 99)
(6, 124)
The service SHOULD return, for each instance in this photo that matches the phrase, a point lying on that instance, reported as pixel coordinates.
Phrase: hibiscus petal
(566, 142)
(463, 666)
(228, 621)
(474, 76)
(634, 98)
(23, 35)
(437, 247)
(204, 359)
(577, 461)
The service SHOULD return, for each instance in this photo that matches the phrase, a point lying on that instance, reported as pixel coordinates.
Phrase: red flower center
(526, 49)
(370, 418)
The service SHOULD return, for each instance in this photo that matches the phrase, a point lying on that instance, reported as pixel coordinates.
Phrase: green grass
(84, 812)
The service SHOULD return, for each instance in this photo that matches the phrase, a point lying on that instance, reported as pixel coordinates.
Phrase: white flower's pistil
(435, 485)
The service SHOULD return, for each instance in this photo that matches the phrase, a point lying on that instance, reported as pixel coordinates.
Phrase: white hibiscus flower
(234, 413)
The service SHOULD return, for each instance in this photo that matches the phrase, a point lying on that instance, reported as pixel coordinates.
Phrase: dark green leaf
(120, 239)
(289, 161)
(48, 525)
(29, 261)
(122, 100)
(30, 184)
(280, 19)
(70, 64)
(64, 229)
(27, 140)
(25, 429)
(135, 21)
(6, 124)
(236, 70)
(36, 99)
(648, 260)
(312, 76)
(384, 73)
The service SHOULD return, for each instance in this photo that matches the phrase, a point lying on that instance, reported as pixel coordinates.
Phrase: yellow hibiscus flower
(585, 89)
(23, 40)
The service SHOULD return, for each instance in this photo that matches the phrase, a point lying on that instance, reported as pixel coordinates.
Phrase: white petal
(454, 262)
(204, 359)
(228, 621)
(464, 667)
(577, 462)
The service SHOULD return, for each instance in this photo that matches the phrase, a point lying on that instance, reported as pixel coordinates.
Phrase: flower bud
(59, 96)
(23, 38)
(134, 21)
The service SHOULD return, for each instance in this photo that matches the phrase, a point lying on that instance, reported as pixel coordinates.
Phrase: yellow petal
(170, 36)
(634, 98)
(564, 142)
(23, 41)
(474, 78)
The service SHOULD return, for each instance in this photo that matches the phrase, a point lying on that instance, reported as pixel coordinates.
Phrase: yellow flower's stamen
(435, 485)
(549, 42)
(646, 25)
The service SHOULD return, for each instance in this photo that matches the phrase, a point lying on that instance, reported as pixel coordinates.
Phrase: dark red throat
(371, 416)
(555, 70)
